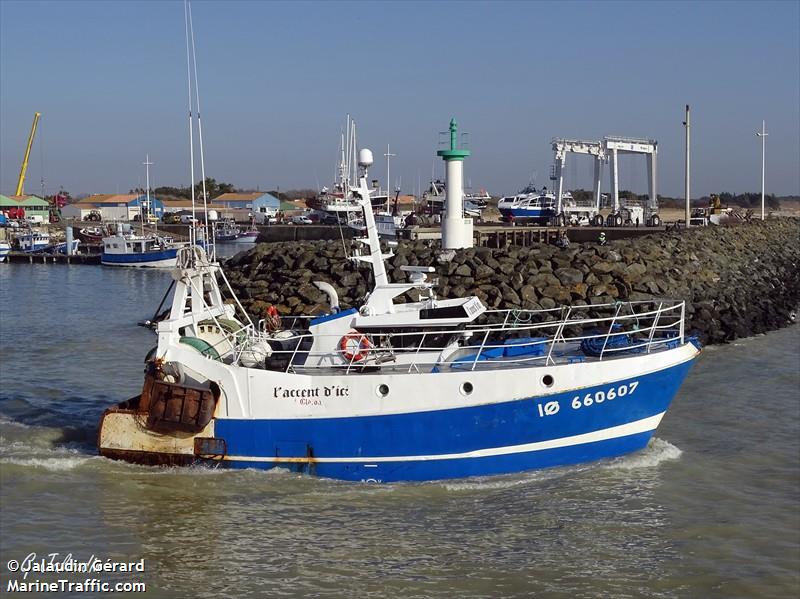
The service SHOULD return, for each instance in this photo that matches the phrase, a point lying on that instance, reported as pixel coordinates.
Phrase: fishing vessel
(249, 236)
(61, 248)
(388, 391)
(126, 248)
(33, 241)
(122, 246)
(5, 248)
(386, 225)
(226, 231)
(337, 201)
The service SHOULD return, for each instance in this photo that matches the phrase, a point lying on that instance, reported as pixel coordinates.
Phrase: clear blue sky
(277, 80)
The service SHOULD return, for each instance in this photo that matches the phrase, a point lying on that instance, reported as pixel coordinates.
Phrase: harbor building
(33, 205)
(113, 206)
(258, 202)
(177, 205)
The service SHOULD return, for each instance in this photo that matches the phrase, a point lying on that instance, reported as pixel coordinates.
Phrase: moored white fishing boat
(5, 248)
(226, 232)
(386, 224)
(389, 392)
(143, 251)
(248, 236)
(33, 241)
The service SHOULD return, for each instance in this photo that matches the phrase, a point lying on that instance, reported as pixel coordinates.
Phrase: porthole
(382, 390)
(466, 388)
(547, 380)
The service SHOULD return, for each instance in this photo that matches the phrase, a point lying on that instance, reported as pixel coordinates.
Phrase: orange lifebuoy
(272, 319)
(355, 346)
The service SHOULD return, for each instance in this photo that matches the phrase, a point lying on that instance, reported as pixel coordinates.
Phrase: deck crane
(21, 180)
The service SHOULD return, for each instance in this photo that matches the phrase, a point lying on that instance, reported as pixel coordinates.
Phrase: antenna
(763, 135)
(206, 237)
(147, 165)
(388, 180)
(191, 125)
(687, 173)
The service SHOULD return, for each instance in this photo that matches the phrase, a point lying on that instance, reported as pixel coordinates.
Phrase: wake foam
(656, 452)
(509, 481)
(55, 464)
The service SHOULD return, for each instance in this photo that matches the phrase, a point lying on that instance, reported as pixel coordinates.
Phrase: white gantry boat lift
(608, 150)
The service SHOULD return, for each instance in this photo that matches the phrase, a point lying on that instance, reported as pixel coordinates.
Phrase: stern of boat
(168, 424)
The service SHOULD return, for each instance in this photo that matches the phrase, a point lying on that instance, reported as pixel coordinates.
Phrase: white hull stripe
(623, 430)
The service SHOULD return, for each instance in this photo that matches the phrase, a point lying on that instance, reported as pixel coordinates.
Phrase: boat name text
(311, 392)
(552, 407)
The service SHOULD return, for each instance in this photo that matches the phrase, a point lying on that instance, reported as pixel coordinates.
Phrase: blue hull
(491, 439)
(136, 259)
(542, 215)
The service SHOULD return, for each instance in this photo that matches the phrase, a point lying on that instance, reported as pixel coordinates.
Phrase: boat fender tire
(355, 346)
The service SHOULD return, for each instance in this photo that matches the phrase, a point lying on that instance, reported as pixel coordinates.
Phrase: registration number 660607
(600, 396)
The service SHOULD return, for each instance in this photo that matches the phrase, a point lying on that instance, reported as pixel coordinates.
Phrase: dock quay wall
(737, 281)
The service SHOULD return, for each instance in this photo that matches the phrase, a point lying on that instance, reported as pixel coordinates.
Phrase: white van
(35, 219)
(188, 219)
(265, 216)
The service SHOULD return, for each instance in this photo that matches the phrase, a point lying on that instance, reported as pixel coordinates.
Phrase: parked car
(171, 219)
(331, 219)
(301, 220)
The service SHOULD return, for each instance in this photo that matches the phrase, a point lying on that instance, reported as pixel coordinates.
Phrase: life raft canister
(355, 346)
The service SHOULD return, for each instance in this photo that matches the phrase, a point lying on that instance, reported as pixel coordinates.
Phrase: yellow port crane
(21, 180)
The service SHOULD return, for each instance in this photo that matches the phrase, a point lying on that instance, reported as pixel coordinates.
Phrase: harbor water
(710, 509)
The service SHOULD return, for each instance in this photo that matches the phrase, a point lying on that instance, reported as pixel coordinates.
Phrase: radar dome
(365, 157)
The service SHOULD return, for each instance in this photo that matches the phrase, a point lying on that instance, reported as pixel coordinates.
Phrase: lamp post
(688, 125)
(763, 135)
(388, 184)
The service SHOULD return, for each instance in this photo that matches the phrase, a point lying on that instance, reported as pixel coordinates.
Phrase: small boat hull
(161, 259)
(540, 215)
(247, 237)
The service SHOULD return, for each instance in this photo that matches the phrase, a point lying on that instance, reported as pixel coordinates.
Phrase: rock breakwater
(737, 281)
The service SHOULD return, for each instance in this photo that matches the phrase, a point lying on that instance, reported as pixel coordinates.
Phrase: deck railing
(502, 338)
